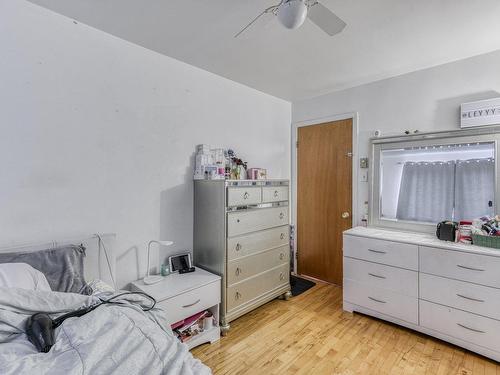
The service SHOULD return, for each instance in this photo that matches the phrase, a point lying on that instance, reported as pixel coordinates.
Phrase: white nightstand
(183, 295)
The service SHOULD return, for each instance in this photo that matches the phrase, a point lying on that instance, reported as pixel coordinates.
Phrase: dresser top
(176, 284)
(243, 183)
(422, 239)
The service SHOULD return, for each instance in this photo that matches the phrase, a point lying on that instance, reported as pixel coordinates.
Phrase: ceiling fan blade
(325, 19)
(263, 18)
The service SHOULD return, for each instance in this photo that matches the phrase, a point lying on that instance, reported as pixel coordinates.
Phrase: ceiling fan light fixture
(292, 13)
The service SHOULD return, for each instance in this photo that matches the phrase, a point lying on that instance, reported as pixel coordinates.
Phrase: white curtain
(474, 188)
(427, 191)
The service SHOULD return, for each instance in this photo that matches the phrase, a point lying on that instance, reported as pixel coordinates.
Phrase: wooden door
(324, 197)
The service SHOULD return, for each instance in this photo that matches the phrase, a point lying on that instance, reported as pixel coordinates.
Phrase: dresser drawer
(250, 289)
(274, 193)
(381, 276)
(474, 298)
(479, 269)
(241, 222)
(192, 302)
(461, 325)
(242, 196)
(243, 268)
(381, 300)
(385, 252)
(249, 244)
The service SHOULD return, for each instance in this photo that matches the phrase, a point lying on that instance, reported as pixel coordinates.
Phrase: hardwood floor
(310, 334)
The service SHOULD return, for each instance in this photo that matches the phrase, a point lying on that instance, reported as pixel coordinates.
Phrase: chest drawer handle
(191, 304)
(282, 256)
(470, 329)
(376, 300)
(276, 194)
(237, 296)
(246, 195)
(238, 271)
(469, 268)
(469, 298)
(238, 247)
(282, 236)
(377, 251)
(282, 215)
(282, 276)
(377, 276)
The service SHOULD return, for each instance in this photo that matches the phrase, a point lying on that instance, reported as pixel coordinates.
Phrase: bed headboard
(100, 258)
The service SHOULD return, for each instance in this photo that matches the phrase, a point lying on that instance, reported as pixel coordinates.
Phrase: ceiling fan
(293, 13)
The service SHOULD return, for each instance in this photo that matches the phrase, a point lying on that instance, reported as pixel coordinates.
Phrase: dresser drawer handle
(469, 298)
(282, 276)
(237, 296)
(191, 304)
(470, 329)
(238, 271)
(246, 195)
(282, 236)
(470, 268)
(282, 215)
(238, 247)
(376, 300)
(377, 276)
(377, 251)
(276, 194)
(282, 256)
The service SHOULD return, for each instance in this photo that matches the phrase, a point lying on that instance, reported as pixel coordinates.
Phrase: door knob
(345, 215)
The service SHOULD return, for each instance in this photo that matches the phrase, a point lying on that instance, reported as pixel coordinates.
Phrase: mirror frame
(476, 135)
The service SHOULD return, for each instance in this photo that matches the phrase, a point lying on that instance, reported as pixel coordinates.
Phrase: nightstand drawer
(191, 302)
(242, 196)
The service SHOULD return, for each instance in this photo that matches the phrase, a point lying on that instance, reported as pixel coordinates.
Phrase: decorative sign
(483, 112)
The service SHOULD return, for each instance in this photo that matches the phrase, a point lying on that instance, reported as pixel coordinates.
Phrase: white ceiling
(383, 38)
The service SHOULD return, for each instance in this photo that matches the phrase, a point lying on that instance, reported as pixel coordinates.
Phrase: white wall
(98, 134)
(426, 100)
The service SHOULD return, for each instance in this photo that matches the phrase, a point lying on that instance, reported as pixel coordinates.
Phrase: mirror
(422, 181)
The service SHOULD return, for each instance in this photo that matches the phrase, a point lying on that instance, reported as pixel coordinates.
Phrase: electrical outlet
(363, 176)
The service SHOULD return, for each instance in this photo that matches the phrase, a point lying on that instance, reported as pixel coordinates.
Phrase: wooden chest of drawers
(241, 232)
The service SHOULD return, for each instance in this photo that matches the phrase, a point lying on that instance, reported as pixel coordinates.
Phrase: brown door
(324, 197)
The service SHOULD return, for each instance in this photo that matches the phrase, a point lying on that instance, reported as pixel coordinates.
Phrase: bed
(111, 339)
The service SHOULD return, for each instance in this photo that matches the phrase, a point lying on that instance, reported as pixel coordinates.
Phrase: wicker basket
(486, 241)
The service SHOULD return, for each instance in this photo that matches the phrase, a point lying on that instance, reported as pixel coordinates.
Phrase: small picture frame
(180, 262)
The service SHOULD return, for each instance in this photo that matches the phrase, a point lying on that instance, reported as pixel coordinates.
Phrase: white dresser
(183, 295)
(241, 232)
(447, 290)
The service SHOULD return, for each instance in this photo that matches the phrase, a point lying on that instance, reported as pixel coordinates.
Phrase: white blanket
(109, 340)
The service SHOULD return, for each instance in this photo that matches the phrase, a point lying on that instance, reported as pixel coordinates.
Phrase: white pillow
(22, 275)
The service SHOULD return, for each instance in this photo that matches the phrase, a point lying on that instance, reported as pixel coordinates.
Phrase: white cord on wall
(107, 258)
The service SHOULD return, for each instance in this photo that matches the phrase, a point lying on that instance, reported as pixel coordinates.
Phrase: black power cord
(40, 327)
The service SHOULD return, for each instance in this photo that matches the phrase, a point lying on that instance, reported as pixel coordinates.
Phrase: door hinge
(349, 154)
(297, 144)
